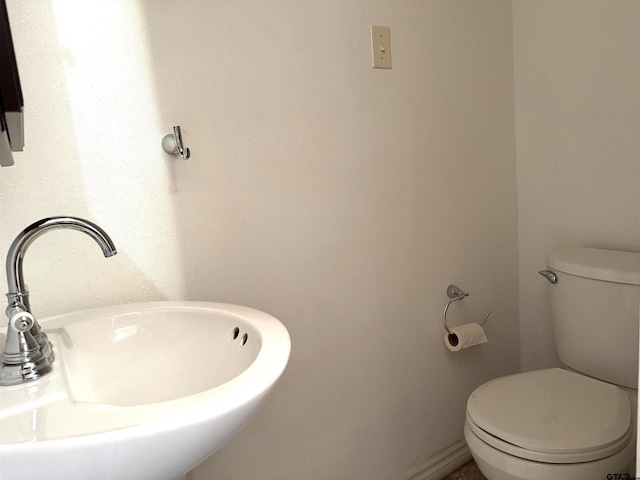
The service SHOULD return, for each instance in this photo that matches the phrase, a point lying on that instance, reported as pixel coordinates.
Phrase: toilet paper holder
(455, 294)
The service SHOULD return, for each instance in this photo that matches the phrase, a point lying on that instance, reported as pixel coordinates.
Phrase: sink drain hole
(244, 339)
(235, 333)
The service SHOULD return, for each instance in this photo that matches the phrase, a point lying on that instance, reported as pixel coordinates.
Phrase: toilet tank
(595, 310)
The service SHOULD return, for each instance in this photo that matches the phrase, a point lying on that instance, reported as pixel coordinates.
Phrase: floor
(469, 471)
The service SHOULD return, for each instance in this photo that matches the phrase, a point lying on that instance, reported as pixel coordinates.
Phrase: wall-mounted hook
(172, 143)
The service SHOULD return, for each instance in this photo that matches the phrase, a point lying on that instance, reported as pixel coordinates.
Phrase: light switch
(381, 46)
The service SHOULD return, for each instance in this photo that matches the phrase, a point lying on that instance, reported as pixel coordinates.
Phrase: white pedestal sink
(142, 391)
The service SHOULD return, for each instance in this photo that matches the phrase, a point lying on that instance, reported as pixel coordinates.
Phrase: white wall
(341, 199)
(577, 104)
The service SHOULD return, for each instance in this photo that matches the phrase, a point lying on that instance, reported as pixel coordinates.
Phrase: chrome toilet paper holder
(455, 294)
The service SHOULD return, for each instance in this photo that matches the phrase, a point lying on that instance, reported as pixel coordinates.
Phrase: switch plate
(381, 46)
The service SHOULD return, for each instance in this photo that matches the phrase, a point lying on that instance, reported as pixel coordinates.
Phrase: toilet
(577, 422)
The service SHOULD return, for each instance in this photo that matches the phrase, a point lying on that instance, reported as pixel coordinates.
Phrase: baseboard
(441, 464)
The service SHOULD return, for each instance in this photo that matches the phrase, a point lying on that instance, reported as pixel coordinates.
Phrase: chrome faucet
(28, 354)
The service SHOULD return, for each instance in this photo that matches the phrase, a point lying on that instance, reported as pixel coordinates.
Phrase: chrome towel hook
(455, 294)
(172, 143)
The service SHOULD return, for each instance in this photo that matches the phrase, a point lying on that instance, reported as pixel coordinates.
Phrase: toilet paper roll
(464, 336)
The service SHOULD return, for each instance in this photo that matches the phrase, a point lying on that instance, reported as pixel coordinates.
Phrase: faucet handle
(21, 321)
(23, 358)
(19, 342)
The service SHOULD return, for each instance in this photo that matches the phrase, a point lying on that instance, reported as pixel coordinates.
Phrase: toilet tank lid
(608, 265)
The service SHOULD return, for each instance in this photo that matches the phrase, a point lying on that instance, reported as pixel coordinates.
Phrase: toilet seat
(551, 416)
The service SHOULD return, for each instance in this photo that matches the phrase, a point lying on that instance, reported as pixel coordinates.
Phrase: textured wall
(577, 71)
(341, 199)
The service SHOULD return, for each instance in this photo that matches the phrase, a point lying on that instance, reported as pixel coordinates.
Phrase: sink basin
(141, 391)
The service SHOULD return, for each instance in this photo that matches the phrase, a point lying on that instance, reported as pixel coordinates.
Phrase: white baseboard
(441, 464)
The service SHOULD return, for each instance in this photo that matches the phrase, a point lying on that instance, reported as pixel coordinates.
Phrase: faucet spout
(15, 278)
(18, 364)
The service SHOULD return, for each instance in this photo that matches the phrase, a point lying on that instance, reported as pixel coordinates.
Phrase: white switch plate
(381, 46)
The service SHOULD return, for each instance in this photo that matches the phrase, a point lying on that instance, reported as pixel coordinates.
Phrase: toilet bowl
(551, 424)
(578, 422)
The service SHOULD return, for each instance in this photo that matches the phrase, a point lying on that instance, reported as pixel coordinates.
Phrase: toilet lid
(552, 411)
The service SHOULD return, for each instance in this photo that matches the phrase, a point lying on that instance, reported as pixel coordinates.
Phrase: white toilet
(576, 423)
